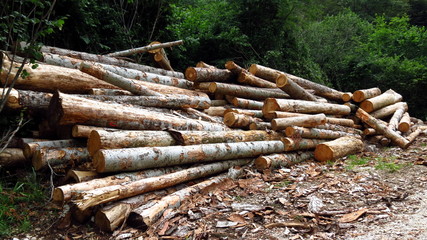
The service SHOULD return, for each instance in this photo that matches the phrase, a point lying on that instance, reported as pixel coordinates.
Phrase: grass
(18, 197)
(354, 161)
(388, 164)
(282, 184)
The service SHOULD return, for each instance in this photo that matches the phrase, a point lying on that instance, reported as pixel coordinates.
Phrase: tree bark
(65, 193)
(303, 121)
(19, 99)
(278, 114)
(252, 80)
(82, 131)
(109, 92)
(132, 159)
(54, 157)
(147, 48)
(82, 176)
(338, 148)
(65, 109)
(301, 106)
(300, 143)
(205, 137)
(260, 126)
(235, 120)
(31, 147)
(101, 59)
(143, 217)
(218, 103)
(101, 139)
(387, 98)
(117, 80)
(48, 78)
(299, 132)
(266, 73)
(281, 160)
(381, 128)
(247, 103)
(244, 91)
(293, 89)
(389, 110)
(149, 77)
(163, 101)
(405, 123)
(196, 74)
(12, 157)
(202, 64)
(335, 127)
(111, 193)
(395, 119)
(361, 95)
(414, 135)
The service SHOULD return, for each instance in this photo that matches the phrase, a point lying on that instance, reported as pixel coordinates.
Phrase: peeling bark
(58, 156)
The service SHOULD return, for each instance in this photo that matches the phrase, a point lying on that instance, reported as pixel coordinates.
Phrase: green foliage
(354, 161)
(387, 165)
(16, 203)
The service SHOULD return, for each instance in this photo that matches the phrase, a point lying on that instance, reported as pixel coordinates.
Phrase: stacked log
(154, 130)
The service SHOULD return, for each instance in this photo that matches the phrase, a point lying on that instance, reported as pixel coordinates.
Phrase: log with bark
(102, 139)
(234, 68)
(217, 111)
(59, 156)
(302, 106)
(387, 98)
(405, 123)
(260, 126)
(205, 137)
(30, 147)
(264, 72)
(331, 120)
(143, 217)
(347, 96)
(252, 80)
(196, 74)
(163, 101)
(388, 110)
(65, 193)
(382, 129)
(292, 144)
(338, 148)
(66, 109)
(202, 64)
(19, 99)
(57, 60)
(294, 90)
(91, 198)
(217, 103)
(302, 121)
(248, 112)
(48, 78)
(83, 131)
(110, 92)
(247, 103)
(281, 160)
(397, 116)
(361, 95)
(295, 132)
(12, 157)
(236, 120)
(82, 176)
(147, 48)
(245, 91)
(132, 159)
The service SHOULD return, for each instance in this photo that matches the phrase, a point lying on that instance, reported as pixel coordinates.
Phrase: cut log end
(358, 96)
(99, 161)
(253, 69)
(93, 143)
(37, 160)
(191, 74)
(367, 106)
(212, 87)
(290, 131)
(323, 153)
(270, 105)
(58, 196)
(229, 119)
(281, 80)
(346, 97)
(230, 65)
(262, 163)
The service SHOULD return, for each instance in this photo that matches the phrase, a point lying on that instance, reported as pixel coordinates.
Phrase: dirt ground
(379, 194)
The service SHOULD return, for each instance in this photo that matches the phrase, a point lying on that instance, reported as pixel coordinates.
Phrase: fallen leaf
(225, 224)
(237, 218)
(353, 216)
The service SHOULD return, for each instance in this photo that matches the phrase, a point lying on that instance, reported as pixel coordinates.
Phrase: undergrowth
(19, 196)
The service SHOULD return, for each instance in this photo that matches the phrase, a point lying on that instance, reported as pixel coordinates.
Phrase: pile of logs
(139, 140)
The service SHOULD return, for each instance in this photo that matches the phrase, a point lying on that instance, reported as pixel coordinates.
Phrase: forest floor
(378, 194)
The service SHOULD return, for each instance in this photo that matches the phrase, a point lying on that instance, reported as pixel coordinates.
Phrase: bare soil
(378, 194)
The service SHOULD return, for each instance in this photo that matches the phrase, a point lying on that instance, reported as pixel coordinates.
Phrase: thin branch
(157, 18)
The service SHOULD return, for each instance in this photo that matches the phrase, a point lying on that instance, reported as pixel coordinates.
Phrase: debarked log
(292, 144)
(98, 196)
(405, 123)
(302, 106)
(387, 98)
(361, 95)
(338, 148)
(101, 139)
(281, 160)
(131, 159)
(66, 109)
(66, 192)
(83, 131)
(48, 78)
